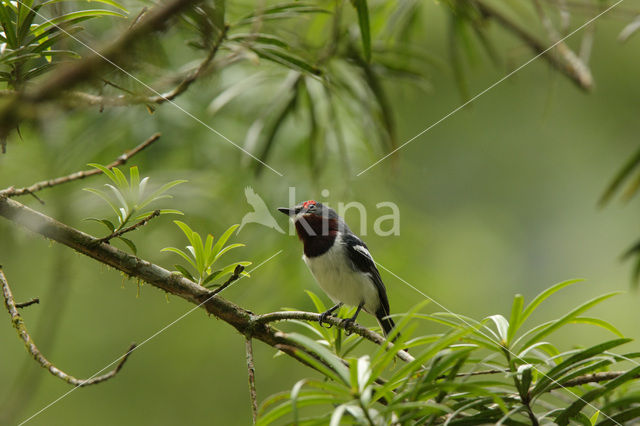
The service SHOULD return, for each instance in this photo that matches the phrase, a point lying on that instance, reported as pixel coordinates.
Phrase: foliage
(28, 48)
(447, 382)
(626, 174)
(202, 256)
(128, 198)
(321, 68)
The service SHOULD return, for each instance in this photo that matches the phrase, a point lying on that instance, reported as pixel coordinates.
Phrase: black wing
(362, 261)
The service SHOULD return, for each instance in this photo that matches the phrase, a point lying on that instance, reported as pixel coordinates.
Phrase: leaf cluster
(129, 199)
(29, 40)
(202, 255)
(474, 372)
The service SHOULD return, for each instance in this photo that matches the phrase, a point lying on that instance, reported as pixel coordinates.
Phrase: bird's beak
(287, 211)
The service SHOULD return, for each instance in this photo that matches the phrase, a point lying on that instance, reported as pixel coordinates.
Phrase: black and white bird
(340, 262)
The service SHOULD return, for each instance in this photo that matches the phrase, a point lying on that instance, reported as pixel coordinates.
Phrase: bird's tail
(385, 322)
(387, 325)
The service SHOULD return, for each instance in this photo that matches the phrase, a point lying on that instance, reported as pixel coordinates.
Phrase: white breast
(336, 277)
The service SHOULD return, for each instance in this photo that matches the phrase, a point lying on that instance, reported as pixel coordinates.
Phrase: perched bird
(260, 213)
(340, 262)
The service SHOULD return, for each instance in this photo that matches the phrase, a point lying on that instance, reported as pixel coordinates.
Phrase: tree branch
(29, 303)
(590, 378)
(12, 192)
(20, 327)
(133, 227)
(192, 76)
(67, 77)
(252, 380)
(236, 274)
(350, 327)
(75, 98)
(564, 60)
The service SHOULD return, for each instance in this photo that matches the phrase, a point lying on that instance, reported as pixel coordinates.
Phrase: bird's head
(313, 218)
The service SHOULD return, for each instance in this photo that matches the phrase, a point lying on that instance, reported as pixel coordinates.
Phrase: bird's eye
(311, 207)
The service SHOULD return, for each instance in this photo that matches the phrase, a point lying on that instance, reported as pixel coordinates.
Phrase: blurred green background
(498, 199)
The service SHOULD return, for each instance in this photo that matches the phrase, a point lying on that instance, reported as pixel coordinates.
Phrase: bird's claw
(322, 319)
(346, 323)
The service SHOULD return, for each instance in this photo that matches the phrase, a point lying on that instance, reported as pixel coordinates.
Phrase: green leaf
(227, 248)
(134, 179)
(502, 326)
(262, 38)
(308, 399)
(121, 179)
(185, 273)
(514, 320)
(8, 26)
(104, 197)
(198, 247)
(543, 296)
(524, 371)
(317, 302)
(75, 17)
(162, 211)
(222, 240)
(188, 232)
(571, 411)
(330, 358)
(280, 11)
(363, 22)
(156, 195)
(227, 270)
(48, 42)
(599, 323)
(109, 2)
(208, 245)
(181, 254)
(559, 370)
(282, 57)
(621, 417)
(620, 177)
(567, 318)
(26, 15)
(130, 243)
(120, 197)
(108, 173)
(105, 222)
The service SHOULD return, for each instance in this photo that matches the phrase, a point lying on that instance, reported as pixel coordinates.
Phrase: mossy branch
(21, 328)
(13, 192)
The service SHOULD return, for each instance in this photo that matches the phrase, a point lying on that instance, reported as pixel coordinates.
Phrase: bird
(340, 262)
(260, 213)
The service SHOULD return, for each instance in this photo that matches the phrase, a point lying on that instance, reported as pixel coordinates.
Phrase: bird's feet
(323, 318)
(346, 323)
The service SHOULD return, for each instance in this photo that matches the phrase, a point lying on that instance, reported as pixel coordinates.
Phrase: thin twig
(236, 274)
(20, 327)
(335, 321)
(29, 303)
(133, 227)
(251, 369)
(75, 98)
(12, 192)
(475, 373)
(192, 76)
(564, 61)
(590, 378)
(589, 8)
(66, 77)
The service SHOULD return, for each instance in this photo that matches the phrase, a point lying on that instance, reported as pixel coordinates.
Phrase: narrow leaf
(363, 22)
